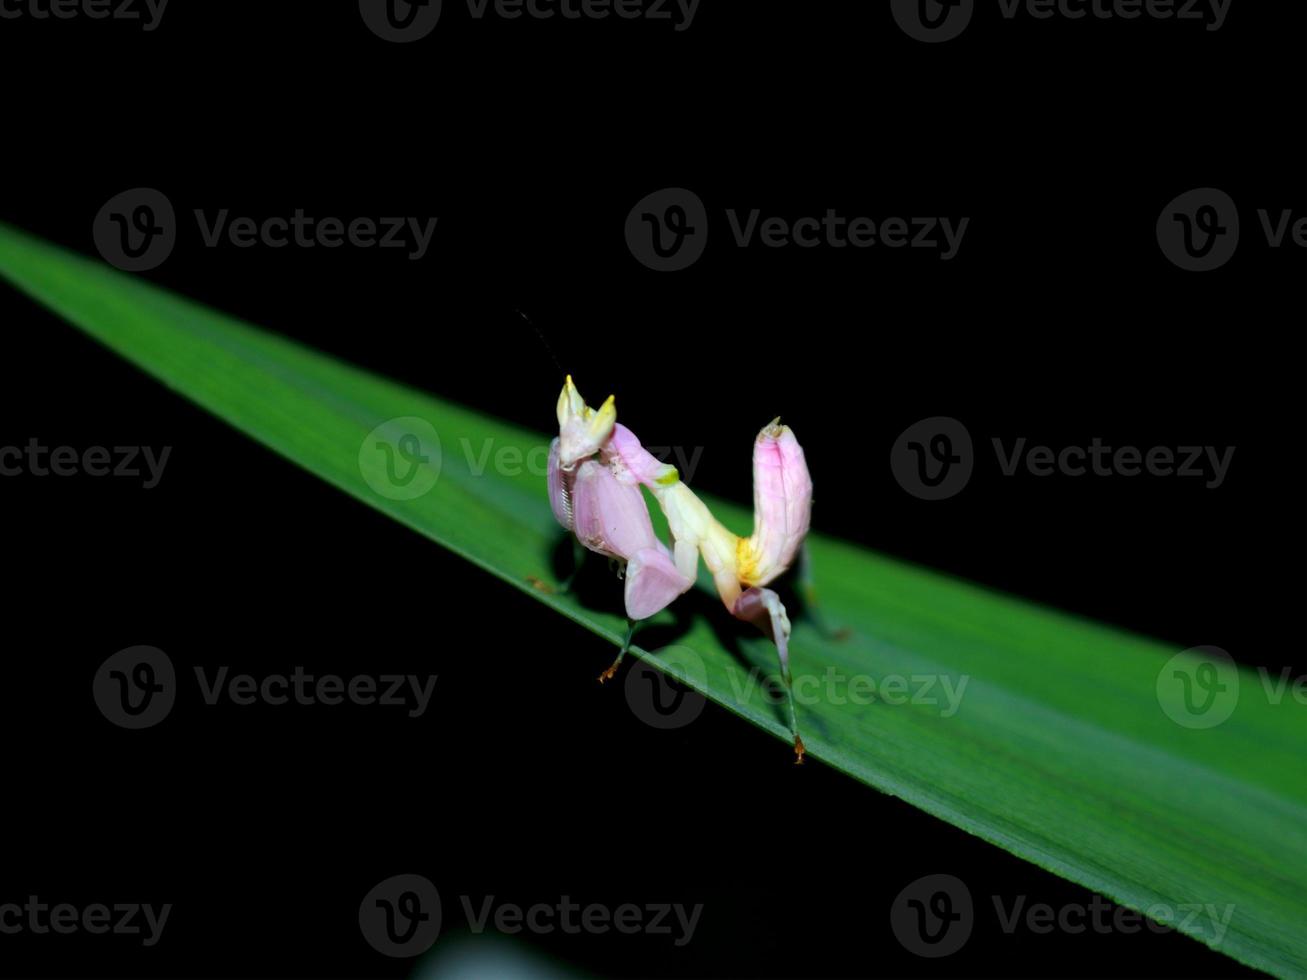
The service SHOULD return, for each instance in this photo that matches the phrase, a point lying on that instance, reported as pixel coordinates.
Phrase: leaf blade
(1058, 752)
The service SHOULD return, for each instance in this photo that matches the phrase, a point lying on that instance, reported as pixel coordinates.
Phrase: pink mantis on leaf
(596, 468)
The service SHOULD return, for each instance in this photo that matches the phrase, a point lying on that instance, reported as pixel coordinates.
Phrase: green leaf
(1060, 750)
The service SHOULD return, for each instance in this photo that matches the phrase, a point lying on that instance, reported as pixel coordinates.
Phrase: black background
(1059, 320)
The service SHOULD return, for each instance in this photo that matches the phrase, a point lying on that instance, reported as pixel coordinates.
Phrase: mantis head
(581, 429)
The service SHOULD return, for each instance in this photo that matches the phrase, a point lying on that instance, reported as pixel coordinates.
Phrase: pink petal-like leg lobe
(652, 582)
(609, 516)
(782, 502)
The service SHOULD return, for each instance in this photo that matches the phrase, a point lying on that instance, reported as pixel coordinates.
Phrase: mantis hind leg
(799, 748)
(631, 626)
(764, 609)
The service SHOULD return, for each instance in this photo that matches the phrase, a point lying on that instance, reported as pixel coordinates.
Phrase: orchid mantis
(596, 468)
